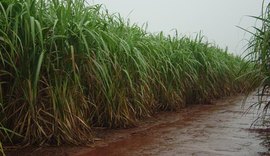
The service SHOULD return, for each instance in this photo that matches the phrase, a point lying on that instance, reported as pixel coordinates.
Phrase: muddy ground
(222, 128)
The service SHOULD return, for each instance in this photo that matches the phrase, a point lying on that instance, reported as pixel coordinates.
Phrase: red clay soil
(219, 129)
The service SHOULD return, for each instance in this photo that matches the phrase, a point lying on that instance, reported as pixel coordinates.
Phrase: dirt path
(219, 129)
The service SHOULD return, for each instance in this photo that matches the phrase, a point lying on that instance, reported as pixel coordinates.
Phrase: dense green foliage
(66, 67)
(259, 56)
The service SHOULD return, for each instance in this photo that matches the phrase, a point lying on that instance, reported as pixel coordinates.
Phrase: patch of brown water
(218, 129)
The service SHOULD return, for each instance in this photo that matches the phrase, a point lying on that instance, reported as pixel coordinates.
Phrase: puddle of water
(219, 129)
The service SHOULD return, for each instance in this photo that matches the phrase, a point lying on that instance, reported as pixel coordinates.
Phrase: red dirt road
(218, 129)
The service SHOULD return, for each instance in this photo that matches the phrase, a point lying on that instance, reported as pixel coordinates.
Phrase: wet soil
(222, 128)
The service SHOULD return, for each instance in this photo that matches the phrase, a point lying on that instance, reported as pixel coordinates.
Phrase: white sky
(217, 19)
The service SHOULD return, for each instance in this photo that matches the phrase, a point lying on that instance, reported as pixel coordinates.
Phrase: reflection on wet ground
(219, 129)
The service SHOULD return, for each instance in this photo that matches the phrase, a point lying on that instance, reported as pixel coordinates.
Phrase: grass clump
(259, 56)
(66, 67)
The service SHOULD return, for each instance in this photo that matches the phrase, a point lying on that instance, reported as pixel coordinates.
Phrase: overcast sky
(217, 19)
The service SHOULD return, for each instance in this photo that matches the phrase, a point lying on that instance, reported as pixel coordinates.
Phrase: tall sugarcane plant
(66, 67)
(259, 56)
